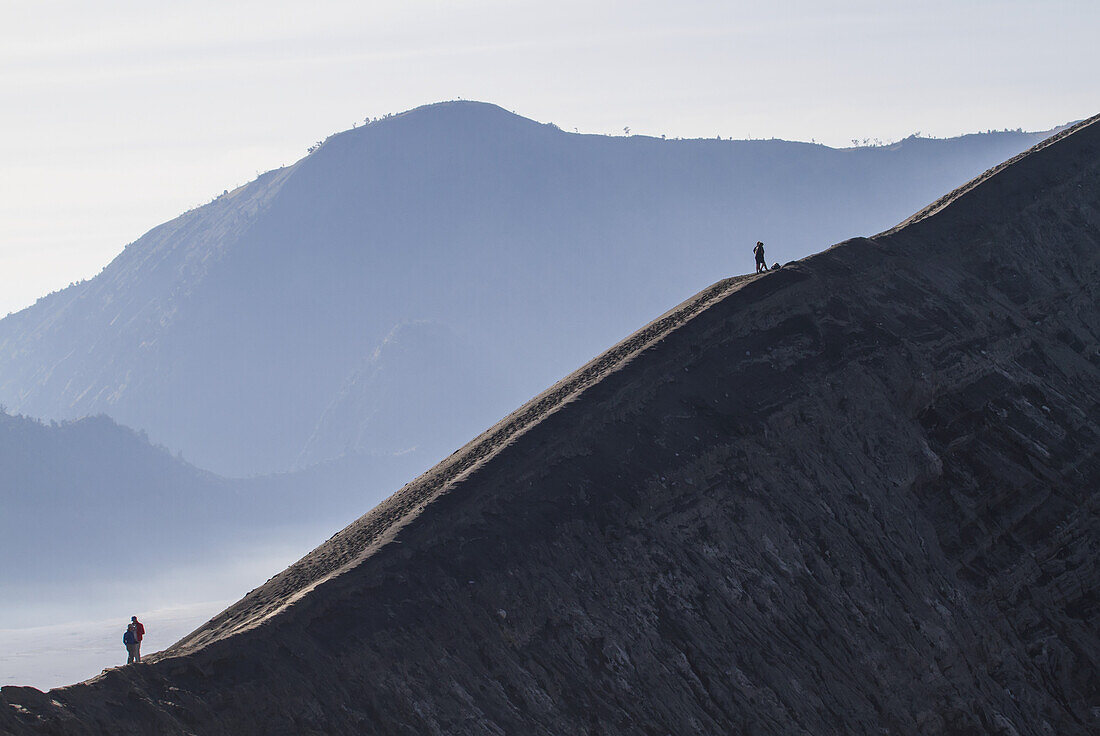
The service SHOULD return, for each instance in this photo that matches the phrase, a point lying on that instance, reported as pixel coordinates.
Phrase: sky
(118, 116)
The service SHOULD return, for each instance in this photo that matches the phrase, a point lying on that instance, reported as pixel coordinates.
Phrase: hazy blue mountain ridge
(375, 414)
(80, 499)
(78, 494)
(232, 331)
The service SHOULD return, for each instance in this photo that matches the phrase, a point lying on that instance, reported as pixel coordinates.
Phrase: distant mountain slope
(228, 332)
(80, 498)
(856, 495)
(92, 501)
(422, 376)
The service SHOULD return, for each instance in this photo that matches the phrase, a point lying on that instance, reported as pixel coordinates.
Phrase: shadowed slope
(350, 545)
(854, 495)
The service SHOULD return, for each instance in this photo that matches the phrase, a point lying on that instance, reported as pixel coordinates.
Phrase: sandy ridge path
(360, 539)
(960, 192)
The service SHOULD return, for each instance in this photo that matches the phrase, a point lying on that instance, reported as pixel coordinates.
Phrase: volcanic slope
(856, 495)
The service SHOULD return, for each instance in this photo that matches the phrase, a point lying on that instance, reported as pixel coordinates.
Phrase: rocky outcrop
(856, 495)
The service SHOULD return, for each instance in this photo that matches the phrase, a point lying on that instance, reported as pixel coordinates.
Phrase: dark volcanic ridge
(855, 495)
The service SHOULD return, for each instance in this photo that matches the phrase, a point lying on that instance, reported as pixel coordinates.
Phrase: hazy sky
(120, 115)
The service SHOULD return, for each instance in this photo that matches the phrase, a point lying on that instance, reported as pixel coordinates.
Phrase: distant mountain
(92, 501)
(78, 496)
(233, 332)
(857, 495)
(422, 385)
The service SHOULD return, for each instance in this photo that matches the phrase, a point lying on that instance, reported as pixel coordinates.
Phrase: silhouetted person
(761, 262)
(139, 634)
(130, 640)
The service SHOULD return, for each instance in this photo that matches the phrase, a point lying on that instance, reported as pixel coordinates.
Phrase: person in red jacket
(139, 633)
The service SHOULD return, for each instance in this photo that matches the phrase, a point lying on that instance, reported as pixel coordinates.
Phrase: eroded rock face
(856, 495)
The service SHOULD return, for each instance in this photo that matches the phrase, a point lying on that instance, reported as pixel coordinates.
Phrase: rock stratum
(857, 495)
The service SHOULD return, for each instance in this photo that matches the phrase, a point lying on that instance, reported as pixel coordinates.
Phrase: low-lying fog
(36, 651)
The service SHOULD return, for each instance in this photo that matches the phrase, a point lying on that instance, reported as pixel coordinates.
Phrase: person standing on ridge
(130, 640)
(139, 634)
(761, 262)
